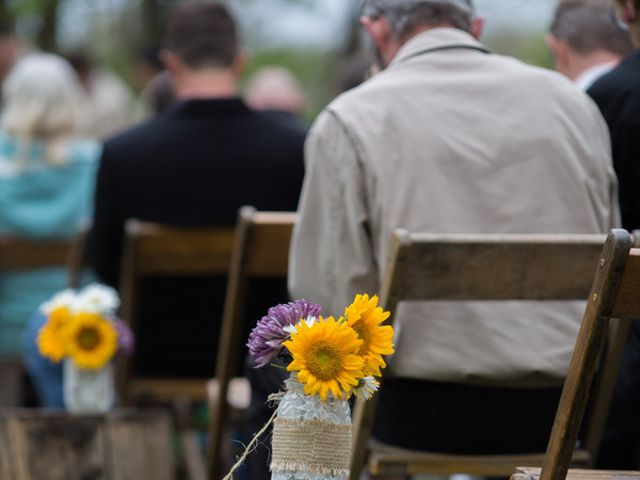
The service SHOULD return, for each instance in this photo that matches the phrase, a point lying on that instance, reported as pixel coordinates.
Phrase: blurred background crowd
(320, 42)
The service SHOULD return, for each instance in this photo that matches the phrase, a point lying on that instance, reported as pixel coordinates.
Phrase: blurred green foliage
(530, 48)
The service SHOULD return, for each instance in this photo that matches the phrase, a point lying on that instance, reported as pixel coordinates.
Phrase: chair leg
(194, 461)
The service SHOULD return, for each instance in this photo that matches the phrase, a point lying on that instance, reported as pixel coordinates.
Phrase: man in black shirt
(194, 165)
(618, 96)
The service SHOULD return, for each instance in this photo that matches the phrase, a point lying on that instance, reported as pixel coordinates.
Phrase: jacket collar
(442, 38)
(209, 107)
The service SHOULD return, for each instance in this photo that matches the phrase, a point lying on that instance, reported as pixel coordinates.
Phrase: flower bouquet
(82, 329)
(329, 360)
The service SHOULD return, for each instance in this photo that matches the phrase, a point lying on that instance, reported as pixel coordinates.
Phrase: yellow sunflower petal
(365, 317)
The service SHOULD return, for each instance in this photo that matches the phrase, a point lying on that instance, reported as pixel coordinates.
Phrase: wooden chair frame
(615, 294)
(261, 249)
(151, 249)
(521, 267)
(20, 254)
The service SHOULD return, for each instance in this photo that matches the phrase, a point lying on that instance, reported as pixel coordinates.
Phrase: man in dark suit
(195, 165)
(618, 96)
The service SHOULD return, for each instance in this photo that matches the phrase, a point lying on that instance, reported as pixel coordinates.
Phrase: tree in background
(44, 14)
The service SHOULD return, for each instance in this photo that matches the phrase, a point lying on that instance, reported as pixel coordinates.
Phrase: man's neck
(582, 63)
(205, 84)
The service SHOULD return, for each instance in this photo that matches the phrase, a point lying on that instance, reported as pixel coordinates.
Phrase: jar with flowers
(83, 331)
(329, 360)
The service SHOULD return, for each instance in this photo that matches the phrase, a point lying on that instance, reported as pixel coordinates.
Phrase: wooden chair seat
(530, 473)
(388, 460)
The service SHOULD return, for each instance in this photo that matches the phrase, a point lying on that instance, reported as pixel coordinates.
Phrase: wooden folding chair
(16, 254)
(425, 267)
(615, 294)
(151, 249)
(261, 250)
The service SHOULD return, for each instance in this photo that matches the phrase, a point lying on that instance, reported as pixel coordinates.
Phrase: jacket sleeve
(331, 257)
(108, 222)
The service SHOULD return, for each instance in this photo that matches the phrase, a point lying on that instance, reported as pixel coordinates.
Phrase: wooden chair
(151, 249)
(261, 249)
(21, 254)
(456, 267)
(615, 294)
(52, 445)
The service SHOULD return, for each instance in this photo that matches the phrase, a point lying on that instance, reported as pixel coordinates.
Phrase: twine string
(275, 398)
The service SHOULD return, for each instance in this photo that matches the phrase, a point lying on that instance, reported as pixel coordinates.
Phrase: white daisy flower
(97, 298)
(65, 298)
(367, 386)
(310, 320)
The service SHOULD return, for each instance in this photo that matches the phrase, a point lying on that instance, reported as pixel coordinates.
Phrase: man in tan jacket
(451, 138)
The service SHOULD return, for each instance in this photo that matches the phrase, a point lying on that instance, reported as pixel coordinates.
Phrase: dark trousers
(620, 446)
(463, 419)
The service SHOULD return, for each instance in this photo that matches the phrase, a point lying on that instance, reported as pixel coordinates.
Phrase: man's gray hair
(405, 16)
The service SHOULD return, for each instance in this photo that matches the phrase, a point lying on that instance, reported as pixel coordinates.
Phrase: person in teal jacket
(47, 179)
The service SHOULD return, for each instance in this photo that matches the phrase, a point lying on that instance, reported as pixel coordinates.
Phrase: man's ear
(379, 31)
(240, 63)
(170, 60)
(477, 27)
(556, 45)
(559, 52)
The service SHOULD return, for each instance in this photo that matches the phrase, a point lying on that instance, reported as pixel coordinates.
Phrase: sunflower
(92, 341)
(324, 357)
(365, 316)
(50, 339)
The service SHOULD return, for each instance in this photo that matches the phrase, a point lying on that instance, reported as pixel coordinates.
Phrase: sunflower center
(324, 361)
(88, 338)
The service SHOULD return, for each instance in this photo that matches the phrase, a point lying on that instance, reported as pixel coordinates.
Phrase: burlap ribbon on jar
(312, 446)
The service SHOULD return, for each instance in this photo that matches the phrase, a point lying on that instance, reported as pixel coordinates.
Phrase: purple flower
(265, 340)
(125, 337)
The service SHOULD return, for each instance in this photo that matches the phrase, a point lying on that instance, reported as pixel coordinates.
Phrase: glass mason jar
(311, 437)
(88, 391)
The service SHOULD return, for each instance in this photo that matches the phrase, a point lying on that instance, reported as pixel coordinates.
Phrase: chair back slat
(268, 252)
(21, 254)
(164, 250)
(491, 267)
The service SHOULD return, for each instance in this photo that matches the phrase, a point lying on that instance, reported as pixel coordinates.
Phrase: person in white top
(585, 41)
